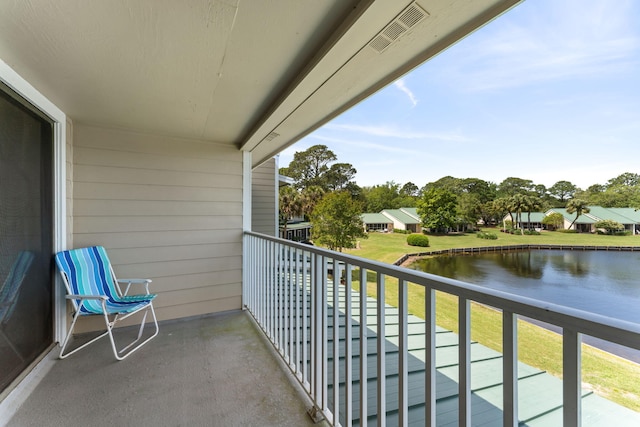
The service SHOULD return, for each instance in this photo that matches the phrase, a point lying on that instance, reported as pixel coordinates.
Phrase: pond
(603, 282)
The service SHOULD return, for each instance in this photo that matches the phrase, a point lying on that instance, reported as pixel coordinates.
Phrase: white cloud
(579, 40)
(400, 84)
(394, 132)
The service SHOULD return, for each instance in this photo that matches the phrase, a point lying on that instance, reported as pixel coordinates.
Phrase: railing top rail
(610, 329)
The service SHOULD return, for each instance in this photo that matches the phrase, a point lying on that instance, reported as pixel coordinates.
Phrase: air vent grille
(407, 19)
(271, 136)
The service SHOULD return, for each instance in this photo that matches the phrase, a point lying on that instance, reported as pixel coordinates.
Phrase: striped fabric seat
(94, 290)
(88, 272)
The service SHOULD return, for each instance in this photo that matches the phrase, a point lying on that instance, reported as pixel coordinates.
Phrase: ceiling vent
(408, 18)
(271, 136)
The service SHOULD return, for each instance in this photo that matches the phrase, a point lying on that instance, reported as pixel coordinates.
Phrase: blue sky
(549, 91)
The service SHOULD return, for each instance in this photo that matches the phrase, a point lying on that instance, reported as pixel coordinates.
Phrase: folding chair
(93, 289)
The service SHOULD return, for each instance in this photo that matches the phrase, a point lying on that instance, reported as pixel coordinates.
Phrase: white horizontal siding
(165, 208)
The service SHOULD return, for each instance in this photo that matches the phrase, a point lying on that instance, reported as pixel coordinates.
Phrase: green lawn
(610, 376)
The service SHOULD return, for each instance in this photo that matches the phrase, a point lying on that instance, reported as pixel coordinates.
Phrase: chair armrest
(129, 282)
(92, 297)
(134, 280)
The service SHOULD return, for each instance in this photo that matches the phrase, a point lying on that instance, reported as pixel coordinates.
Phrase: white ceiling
(229, 71)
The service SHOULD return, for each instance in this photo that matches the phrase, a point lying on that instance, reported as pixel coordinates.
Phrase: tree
(501, 207)
(554, 220)
(531, 203)
(310, 197)
(339, 176)
(563, 191)
(512, 186)
(312, 168)
(469, 208)
(437, 209)
(483, 190)
(290, 204)
(517, 204)
(336, 221)
(577, 206)
(409, 189)
(379, 197)
(447, 183)
(627, 179)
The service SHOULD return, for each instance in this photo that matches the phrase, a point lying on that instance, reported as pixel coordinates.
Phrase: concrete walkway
(211, 371)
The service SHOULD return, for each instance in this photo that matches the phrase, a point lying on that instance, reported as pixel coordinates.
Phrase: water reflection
(597, 281)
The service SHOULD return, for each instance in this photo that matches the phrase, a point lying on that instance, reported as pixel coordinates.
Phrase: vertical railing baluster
(290, 312)
(324, 337)
(363, 348)
(571, 378)
(298, 319)
(316, 332)
(336, 341)
(271, 294)
(510, 368)
(430, 347)
(464, 362)
(403, 344)
(348, 350)
(306, 317)
(382, 357)
(284, 265)
(278, 253)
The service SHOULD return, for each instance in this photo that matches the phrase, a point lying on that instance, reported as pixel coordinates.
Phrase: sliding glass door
(26, 235)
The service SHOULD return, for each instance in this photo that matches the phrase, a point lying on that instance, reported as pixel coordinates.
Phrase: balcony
(222, 370)
(214, 370)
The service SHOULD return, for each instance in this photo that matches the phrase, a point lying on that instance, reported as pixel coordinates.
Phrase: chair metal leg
(117, 353)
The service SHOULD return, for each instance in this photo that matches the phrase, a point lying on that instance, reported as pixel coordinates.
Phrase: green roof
(374, 218)
(411, 211)
(582, 219)
(631, 213)
(535, 216)
(614, 214)
(401, 216)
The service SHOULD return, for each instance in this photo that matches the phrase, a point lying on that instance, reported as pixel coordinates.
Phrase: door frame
(23, 88)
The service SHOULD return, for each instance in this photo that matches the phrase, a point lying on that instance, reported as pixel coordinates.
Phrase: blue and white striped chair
(93, 289)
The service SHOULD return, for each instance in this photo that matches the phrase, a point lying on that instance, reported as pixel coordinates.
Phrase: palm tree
(577, 206)
(517, 203)
(309, 198)
(501, 206)
(532, 203)
(290, 205)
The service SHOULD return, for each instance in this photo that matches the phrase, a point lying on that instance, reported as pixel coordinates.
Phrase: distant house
(585, 223)
(376, 222)
(297, 231)
(404, 219)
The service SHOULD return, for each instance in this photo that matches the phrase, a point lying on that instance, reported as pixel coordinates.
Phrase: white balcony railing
(313, 321)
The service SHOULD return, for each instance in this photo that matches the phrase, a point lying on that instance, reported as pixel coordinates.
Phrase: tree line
(447, 202)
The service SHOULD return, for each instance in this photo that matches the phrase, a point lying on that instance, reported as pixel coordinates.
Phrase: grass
(610, 376)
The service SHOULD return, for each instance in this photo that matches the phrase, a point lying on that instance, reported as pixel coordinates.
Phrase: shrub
(486, 235)
(532, 232)
(397, 230)
(417, 240)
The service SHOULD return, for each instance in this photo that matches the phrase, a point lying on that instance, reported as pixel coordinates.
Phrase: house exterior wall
(165, 208)
(396, 224)
(264, 198)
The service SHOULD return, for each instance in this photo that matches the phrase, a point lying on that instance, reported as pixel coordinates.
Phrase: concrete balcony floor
(211, 371)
